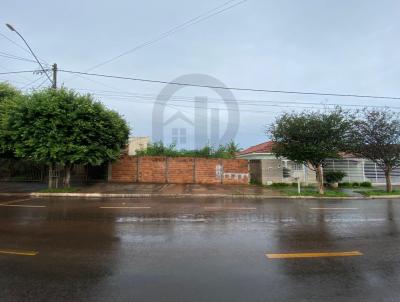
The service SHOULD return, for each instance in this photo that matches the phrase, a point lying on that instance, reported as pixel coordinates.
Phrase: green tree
(10, 97)
(8, 92)
(310, 138)
(232, 149)
(61, 127)
(376, 135)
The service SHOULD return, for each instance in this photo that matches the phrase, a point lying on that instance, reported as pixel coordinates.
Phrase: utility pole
(54, 70)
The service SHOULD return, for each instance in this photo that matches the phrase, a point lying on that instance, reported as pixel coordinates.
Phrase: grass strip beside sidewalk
(291, 190)
(378, 192)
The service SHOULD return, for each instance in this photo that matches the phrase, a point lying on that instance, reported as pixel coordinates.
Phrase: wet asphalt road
(198, 250)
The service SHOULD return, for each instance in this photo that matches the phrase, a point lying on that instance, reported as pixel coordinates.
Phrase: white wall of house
(360, 170)
(286, 171)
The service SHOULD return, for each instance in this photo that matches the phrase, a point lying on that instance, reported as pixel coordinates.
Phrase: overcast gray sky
(327, 46)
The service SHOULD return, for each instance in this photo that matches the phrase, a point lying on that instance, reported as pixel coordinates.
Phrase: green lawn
(378, 192)
(307, 191)
(60, 190)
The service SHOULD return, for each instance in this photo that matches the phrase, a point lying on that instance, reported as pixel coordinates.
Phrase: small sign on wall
(219, 170)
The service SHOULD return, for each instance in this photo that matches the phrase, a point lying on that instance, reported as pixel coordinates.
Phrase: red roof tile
(260, 148)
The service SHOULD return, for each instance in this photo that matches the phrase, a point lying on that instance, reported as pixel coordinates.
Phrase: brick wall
(152, 169)
(124, 170)
(180, 169)
(158, 169)
(206, 171)
(235, 171)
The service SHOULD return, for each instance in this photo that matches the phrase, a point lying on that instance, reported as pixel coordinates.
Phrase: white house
(265, 167)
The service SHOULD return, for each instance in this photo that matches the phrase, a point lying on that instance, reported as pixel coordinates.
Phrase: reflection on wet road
(199, 250)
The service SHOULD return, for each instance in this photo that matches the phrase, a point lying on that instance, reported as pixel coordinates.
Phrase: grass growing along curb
(291, 190)
(60, 190)
(328, 193)
(378, 192)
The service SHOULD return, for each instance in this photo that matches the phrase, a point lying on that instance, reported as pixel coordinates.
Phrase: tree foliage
(376, 135)
(8, 92)
(159, 149)
(10, 98)
(65, 128)
(310, 138)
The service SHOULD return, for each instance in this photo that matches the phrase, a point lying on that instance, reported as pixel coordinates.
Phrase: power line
(226, 109)
(33, 82)
(20, 46)
(270, 104)
(8, 80)
(10, 56)
(41, 84)
(256, 103)
(219, 9)
(230, 88)
(21, 71)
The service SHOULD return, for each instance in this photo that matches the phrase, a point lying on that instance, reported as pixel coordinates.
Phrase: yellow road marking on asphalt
(333, 208)
(21, 206)
(313, 255)
(125, 207)
(229, 208)
(18, 252)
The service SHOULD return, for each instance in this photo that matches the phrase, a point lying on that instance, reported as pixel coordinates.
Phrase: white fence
(360, 170)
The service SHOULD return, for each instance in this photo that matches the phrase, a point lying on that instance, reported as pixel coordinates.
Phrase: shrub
(159, 149)
(334, 176)
(280, 184)
(255, 182)
(366, 184)
(355, 184)
(345, 185)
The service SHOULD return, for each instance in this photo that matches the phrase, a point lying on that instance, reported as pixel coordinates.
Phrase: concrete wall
(159, 169)
(272, 171)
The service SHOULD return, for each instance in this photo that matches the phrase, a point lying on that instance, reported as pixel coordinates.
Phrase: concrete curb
(383, 196)
(150, 195)
(15, 194)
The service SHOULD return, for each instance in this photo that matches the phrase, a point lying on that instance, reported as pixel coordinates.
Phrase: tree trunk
(320, 179)
(51, 179)
(388, 172)
(67, 175)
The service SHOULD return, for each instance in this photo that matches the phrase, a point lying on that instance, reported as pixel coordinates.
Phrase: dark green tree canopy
(10, 97)
(63, 127)
(8, 92)
(376, 135)
(310, 137)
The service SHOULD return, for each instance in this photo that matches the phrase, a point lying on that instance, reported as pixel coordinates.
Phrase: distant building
(137, 143)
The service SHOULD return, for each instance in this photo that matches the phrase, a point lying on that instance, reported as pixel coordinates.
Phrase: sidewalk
(139, 190)
(145, 189)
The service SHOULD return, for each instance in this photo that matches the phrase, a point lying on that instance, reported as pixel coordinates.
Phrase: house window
(179, 136)
(297, 167)
(286, 172)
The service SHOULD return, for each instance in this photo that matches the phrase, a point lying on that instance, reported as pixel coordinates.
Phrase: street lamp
(10, 27)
